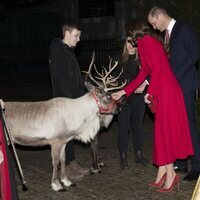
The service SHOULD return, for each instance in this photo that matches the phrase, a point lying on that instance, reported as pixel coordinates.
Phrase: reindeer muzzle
(111, 108)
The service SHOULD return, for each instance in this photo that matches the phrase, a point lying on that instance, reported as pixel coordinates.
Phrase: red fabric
(152, 106)
(172, 138)
(4, 170)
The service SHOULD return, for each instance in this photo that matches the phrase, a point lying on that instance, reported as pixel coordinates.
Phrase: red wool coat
(7, 179)
(172, 138)
(4, 169)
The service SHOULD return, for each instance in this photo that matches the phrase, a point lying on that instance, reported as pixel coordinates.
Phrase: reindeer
(57, 121)
(105, 79)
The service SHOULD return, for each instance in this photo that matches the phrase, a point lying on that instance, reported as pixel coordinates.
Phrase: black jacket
(130, 70)
(65, 71)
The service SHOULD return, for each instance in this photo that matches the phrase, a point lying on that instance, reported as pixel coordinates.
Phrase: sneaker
(72, 174)
(83, 171)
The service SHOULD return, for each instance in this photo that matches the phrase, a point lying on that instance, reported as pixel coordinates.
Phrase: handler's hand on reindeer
(2, 103)
(117, 95)
(1, 157)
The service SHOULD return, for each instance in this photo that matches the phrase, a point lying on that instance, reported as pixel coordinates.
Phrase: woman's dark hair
(140, 29)
(125, 55)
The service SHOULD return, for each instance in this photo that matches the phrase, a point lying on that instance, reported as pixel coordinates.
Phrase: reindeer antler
(89, 70)
(107, 79)
(105, 76)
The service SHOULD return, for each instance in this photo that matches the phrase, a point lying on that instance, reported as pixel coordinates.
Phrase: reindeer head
(105, 83)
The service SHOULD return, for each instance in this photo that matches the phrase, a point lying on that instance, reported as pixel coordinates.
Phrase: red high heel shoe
(160, 182)
(174, 182)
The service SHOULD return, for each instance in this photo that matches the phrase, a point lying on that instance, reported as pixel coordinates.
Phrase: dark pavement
(111, 184)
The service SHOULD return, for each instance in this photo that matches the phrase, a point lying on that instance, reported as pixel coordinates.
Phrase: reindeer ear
(89, 86)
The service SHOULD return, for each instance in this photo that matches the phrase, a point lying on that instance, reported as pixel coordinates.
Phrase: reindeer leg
(64, 178)
(100, 164)
(55, 152)
(95, 155)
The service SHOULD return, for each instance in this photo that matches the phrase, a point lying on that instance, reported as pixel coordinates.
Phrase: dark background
(28, 26)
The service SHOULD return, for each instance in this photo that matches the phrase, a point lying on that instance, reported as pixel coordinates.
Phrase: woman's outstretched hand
(117, 95)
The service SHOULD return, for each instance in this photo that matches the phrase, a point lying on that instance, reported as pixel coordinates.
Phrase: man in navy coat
(184, 54)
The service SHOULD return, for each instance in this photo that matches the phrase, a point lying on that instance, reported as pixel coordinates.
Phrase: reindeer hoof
(95, 171)
(101, 165)
(66, 182)
(56, 187)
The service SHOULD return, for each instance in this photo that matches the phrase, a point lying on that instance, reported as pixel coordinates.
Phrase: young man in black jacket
(67, 82)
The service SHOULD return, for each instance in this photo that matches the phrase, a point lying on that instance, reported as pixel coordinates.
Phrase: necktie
(166, 37)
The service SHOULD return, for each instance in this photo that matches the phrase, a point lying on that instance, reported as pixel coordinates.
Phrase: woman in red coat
(8, 189)
(171, 132)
